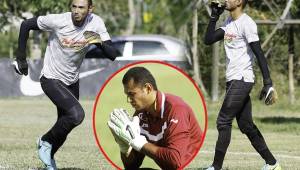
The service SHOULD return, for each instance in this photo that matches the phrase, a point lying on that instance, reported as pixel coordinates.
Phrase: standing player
(163, 128)
(67, 46)
(241, 44)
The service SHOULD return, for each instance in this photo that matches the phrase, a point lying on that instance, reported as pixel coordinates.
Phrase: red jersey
(174, 128)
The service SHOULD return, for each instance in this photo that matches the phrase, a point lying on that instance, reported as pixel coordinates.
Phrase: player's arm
(267, 93)
(177, 139)
(129, 130)
(109, 50)
(133, 160)
(262, 62)
(165, 156)
(26, 26)
(212, 35)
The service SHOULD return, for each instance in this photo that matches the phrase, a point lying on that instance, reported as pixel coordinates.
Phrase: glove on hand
(216, 10)
(268, 93)
(127, 129)
(21, 67)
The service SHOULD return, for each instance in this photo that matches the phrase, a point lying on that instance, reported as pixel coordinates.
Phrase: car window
(148, 48)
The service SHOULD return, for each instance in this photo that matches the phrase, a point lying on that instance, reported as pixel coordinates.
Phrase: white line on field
(253, 154)
(3, 167)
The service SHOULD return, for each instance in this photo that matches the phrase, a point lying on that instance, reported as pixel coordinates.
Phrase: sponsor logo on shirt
(142, 117)
(70, 43)
(228, 37)
(174, 121)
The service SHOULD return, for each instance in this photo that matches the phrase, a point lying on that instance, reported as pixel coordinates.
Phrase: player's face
(80, 9)
(137, 95)
(232, 4)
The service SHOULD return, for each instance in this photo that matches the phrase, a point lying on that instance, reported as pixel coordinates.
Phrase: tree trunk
(291, 65)
(196, 63)
(132, 18)
(215, 72)
(291, 79)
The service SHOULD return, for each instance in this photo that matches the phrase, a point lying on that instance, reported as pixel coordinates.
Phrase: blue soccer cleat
(44, 152)
(53, 163)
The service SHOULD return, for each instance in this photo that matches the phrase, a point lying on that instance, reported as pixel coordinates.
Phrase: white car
(148, 47)
(151, 47)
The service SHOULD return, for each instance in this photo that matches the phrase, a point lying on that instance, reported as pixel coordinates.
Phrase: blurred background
(169, 30)
(185, 23)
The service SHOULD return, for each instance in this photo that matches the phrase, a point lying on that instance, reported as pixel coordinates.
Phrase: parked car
(148, 47)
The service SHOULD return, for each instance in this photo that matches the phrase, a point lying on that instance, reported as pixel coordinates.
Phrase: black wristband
(268, 81)
(21, 56)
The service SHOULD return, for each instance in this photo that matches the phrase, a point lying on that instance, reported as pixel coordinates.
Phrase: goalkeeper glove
(21, 67)
(127, 129)
(216, 10)
(124, 146)
(268, 93)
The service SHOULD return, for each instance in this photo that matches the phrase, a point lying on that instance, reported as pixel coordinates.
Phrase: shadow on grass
(279, 120)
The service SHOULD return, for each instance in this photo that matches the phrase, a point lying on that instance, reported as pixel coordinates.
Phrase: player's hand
(127, 129)
(21, 67)
(216, 10)
(124, 146)
(268, 94)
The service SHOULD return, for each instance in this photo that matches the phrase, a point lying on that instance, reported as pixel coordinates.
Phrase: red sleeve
(133, 161)
(174, 154)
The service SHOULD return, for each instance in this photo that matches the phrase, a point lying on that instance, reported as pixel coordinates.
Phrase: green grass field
(23, 120)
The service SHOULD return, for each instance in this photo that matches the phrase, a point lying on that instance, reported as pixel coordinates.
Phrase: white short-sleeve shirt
(67, 46)
(239, 56)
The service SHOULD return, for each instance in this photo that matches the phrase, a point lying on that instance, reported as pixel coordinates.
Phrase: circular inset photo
(149, 115)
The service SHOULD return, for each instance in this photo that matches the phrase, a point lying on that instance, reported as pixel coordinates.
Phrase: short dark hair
(140, 75)
(244, 3)
(90, 2)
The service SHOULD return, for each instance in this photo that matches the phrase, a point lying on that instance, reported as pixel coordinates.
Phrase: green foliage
(114, 13)
(170, 17)
(10, 44)
(42, 7)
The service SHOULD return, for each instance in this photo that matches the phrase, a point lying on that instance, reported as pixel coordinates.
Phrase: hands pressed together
(126, 131)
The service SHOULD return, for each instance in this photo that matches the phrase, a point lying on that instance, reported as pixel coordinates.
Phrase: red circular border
(141, 62)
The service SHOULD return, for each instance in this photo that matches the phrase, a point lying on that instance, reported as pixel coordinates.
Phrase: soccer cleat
(210, 168)
(271, 167)
(44, 152)
(53, 163)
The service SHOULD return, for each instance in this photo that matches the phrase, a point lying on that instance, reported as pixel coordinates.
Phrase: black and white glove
(216, 10)
(21, 67)
(268, 93)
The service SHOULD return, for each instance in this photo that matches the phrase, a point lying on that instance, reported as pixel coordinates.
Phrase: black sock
(259, 144)
(218, 159)
(48, 137)
(267, 156)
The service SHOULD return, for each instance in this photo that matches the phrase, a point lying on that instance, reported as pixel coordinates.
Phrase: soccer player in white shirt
(241, 44)
(67, 46)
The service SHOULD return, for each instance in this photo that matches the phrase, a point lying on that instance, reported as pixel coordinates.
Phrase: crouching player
(163, 127)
